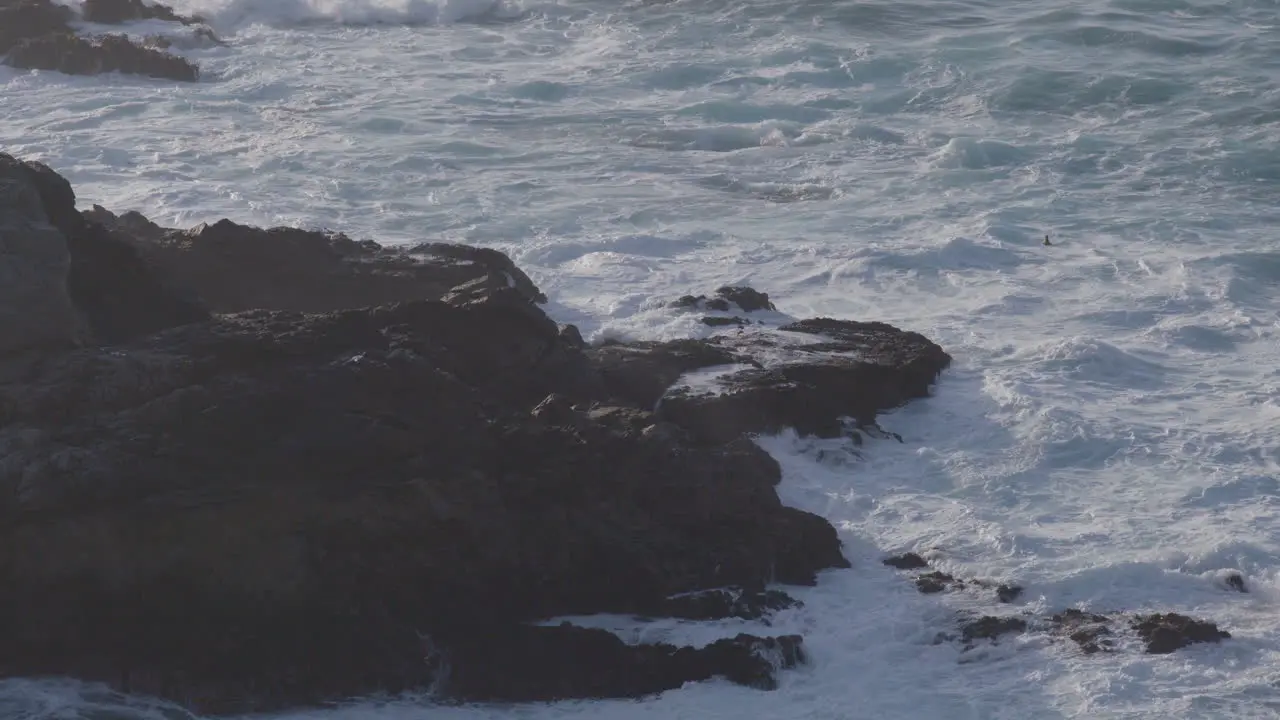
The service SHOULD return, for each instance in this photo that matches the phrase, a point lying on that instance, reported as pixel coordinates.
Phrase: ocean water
(1108, 434)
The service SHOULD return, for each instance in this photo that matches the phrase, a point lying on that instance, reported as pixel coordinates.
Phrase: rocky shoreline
(248, 469)
(40, 35)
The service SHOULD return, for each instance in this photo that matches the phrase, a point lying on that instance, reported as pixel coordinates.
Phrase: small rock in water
(1008, 593)
(935, 582)
(749, 299)
(1235, 581)
(989, 627)
(1167, 632)
(906, 561)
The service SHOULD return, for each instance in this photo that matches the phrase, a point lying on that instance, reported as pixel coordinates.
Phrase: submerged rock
(1008, 593)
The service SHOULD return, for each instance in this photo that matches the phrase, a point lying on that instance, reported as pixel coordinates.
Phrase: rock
(749, 299)
(1008, 593)
(489, 259)
(75, 55)
(988, 627)
(1235, 581)
(906, 561)
(1167, 632)
(35, 307)
(936, 582)
(37, 34)
(23, 19)
(187, 497)
(272, 465)
(745, 298)
(723, 321)
(847, 371)
(116, 295)
(114, 12)
(233, 268)
(1088, 630)
(556, 663)
(640, 373)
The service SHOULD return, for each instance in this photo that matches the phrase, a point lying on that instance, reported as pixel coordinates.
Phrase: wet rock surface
(1166, 632)
(1161, 633)
(906, 561)
(396, 446)
(989, 627)
(38, 35)
(554, 663)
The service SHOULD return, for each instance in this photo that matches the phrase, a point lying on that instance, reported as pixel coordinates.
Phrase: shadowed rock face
(390, 468)
(35, 310)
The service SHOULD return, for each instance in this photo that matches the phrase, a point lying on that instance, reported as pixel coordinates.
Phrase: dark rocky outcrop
(114, 12)
(989, 627)
(553, 663)
(379, 477)
(935, 582)
(37, 34)
(724, 603)
(821, 376)
(306, 271)
(906, 561)
(1235, 581)
(746, 299)
(75, 55)
(1166, 632)
(726, 299)
(1092, 632)
(1088, 630)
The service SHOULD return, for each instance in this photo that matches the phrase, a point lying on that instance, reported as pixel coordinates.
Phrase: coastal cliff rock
(38, 34)
(249, 508)
(35, 308)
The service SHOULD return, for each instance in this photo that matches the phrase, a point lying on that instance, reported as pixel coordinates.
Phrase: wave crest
(286, 13)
